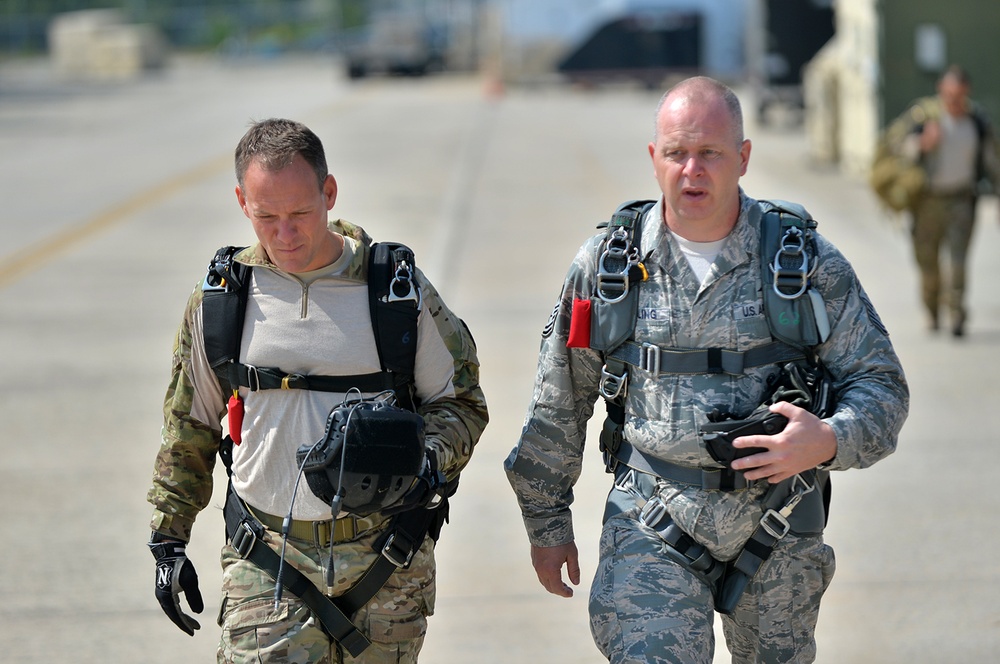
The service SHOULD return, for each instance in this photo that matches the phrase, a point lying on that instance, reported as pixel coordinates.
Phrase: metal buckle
(289, 382)
(404, 277)
(253, 378)
(398, 556)
(793, 243)
(619, 248)
(618, 244)
(649, 358)
(319, 529)
(243, 539)
(612, 281)
(782, 523)
(626, 482)
(653, 512)
(611, 386)
(800, 493)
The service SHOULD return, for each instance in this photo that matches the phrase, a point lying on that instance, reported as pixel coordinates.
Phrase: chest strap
(273, 378)
(722, 479)
(657, 360)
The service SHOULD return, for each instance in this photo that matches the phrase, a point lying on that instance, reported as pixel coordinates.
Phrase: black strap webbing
(245, 535)
(704, 360)
(273, 378)
(396, 547)
(722, 479)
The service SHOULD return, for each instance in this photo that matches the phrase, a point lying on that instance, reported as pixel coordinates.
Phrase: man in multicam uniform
(307, 312)
(700, 245)
(951, 139)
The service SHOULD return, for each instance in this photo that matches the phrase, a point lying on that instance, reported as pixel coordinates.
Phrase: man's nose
(286, 228)
(693, 166)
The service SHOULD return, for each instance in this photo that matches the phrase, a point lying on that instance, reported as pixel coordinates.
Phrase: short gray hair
(703, 87)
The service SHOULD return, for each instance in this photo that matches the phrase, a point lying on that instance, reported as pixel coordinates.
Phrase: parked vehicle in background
(644, 46)
(395, 43)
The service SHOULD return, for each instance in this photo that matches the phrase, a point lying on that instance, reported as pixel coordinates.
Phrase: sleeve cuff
(172, 525)
(550, 531)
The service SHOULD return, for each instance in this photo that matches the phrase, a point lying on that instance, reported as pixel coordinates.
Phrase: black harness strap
(224, 300)
(722, 479)
(657, 360)
(396, 548)
(246, 534)
(395, 302)
(272, 378)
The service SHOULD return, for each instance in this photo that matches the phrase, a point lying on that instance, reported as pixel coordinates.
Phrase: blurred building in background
(844, 67)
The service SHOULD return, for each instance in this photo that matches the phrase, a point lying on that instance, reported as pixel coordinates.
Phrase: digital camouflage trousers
(644, 607)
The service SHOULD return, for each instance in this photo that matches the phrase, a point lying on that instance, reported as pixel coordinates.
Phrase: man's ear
(330, 191)
(242, 200)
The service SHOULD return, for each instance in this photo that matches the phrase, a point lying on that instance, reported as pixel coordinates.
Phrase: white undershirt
(700, 255)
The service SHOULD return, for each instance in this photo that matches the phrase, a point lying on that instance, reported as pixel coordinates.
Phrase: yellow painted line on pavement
(37, 255)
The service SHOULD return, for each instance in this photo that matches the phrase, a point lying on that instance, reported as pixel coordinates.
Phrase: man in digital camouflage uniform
(700, 246)
(950, 138)
(307, 313)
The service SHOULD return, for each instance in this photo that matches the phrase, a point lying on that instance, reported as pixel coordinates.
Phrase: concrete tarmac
(115, 195)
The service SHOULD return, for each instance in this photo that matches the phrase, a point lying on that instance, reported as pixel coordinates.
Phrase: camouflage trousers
(395, 619)
(644, 607)
(943, 223)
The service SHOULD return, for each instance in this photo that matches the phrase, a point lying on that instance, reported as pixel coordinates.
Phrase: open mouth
(694, 193)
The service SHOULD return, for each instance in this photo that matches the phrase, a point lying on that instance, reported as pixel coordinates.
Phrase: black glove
(429, 489)
(175, 574)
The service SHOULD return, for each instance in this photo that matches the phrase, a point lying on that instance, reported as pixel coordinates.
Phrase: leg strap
(396, 547)
(246, 534)
(727, 580)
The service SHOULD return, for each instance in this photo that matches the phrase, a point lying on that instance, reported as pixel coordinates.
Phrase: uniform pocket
(249, 628)
(394, 629)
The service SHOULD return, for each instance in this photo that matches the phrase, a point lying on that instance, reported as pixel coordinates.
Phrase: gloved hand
(175, 574)
(429, 489)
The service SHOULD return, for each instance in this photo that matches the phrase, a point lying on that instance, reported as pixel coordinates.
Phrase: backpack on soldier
(897, 181)
(394, 301)
(796, 317)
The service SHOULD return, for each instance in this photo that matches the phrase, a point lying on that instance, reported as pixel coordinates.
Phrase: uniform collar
(355, 270)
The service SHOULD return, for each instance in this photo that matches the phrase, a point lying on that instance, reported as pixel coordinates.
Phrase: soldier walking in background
(949, 138)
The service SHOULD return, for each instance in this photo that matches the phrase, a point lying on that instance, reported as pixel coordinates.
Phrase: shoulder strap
(619, 267)
(224, 303)
(395, 299)
(795, 311)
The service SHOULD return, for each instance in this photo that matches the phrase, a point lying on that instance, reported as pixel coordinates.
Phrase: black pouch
(805, 385)
(371, 452)
(719, 436)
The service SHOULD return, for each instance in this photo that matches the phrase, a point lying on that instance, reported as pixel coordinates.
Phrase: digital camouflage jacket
(664, 413)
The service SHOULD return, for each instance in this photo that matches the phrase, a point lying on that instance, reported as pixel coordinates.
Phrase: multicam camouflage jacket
(664, 413)
(194, 404)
